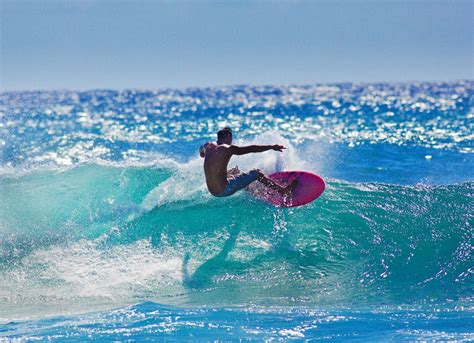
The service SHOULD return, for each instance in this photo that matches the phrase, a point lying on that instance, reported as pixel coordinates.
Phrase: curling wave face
(87, 236)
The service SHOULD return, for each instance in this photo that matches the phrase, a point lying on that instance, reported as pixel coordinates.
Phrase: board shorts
(235, 183)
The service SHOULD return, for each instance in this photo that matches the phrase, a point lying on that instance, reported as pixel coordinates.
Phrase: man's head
(224, 136)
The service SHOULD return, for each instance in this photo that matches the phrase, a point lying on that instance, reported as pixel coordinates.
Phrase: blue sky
(84, 44)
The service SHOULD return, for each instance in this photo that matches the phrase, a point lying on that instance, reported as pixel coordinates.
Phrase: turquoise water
(108, 231)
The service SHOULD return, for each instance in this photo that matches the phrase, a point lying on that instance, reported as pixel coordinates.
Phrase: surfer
(220, 181)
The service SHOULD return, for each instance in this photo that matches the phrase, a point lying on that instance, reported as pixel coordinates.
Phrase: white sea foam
(61, 278)
(187, 181)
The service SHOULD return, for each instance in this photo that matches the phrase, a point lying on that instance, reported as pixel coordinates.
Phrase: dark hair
(222, 133)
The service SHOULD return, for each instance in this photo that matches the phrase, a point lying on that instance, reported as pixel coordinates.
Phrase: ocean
(107, 230)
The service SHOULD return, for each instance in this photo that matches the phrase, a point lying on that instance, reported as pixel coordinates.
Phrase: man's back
(216, 160)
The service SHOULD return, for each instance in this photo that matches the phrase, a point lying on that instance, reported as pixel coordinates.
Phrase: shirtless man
(222, 183)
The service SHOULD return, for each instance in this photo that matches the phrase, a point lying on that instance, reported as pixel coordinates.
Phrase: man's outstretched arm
(242, 150)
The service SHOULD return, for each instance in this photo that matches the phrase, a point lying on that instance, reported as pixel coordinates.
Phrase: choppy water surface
(107, 230)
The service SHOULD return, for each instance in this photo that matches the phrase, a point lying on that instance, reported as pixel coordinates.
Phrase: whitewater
(107, 230)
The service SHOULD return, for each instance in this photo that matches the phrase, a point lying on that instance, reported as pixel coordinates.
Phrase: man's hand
(202, 150)
(277, 147)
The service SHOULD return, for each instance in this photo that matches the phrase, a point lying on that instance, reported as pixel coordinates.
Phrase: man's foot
(289, 188)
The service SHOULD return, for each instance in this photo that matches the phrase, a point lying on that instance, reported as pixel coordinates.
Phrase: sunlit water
(108, 232)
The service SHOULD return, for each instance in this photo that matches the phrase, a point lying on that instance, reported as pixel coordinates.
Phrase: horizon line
(87, 89)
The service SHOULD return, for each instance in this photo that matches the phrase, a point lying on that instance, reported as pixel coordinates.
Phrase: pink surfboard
(309, 187)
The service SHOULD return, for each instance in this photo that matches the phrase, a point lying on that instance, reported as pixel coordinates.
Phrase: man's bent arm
(242, 150)
(202, 150)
